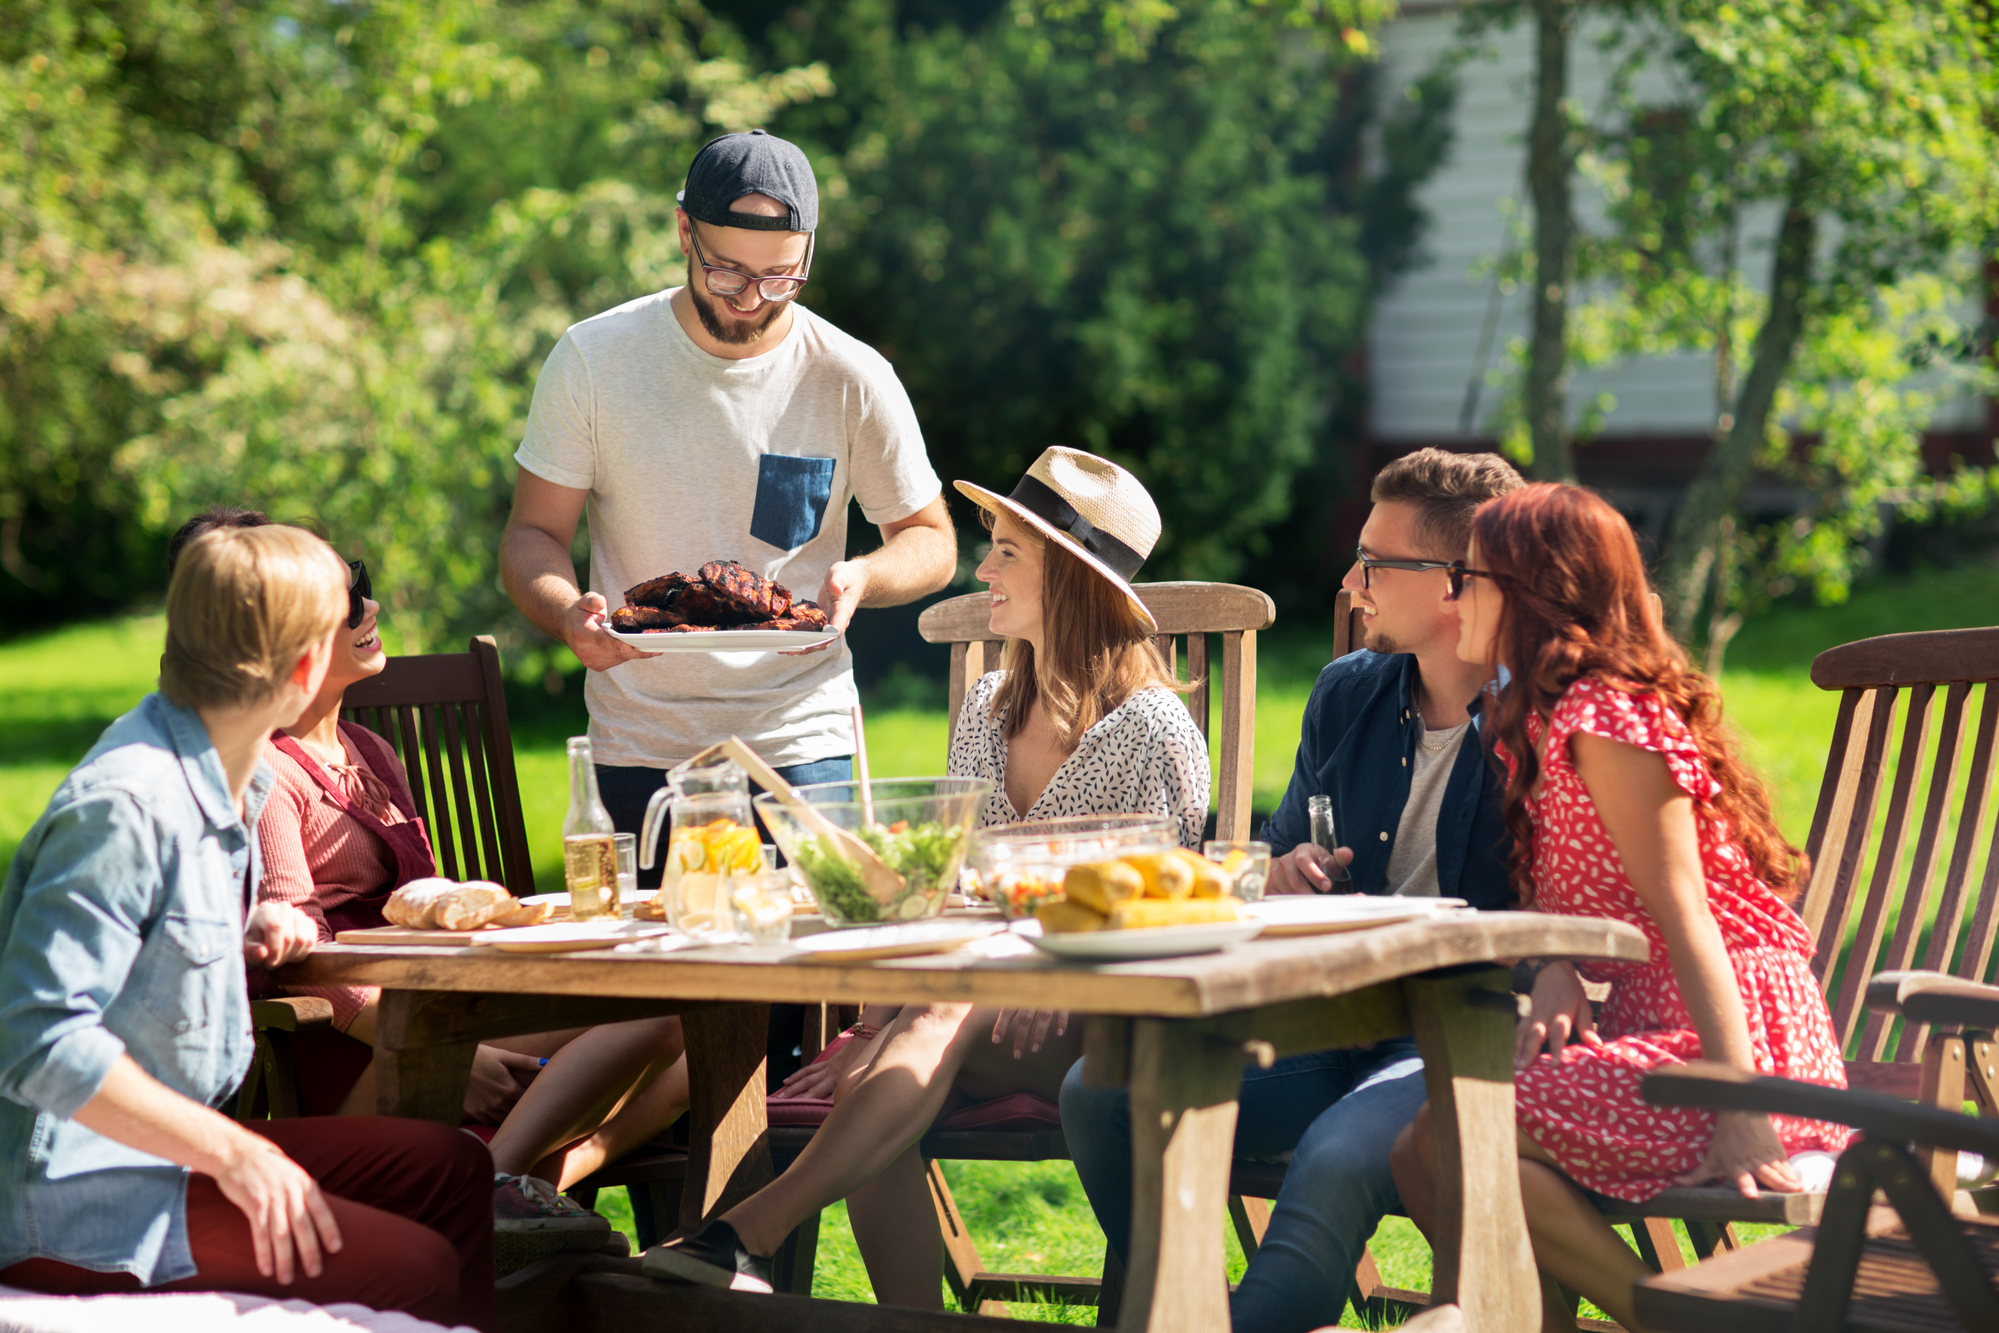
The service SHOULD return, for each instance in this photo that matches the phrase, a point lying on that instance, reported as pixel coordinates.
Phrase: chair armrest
(1935, 997)
(1720, 1088)
(291, 1013)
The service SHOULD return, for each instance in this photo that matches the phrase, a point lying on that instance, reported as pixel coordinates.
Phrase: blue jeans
(1338, 1113)
(625, 792)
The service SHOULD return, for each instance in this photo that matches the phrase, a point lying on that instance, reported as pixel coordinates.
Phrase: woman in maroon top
(340, 833)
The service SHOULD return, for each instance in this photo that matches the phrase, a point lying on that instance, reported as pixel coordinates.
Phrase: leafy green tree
(1153, 240)
(1868, 130)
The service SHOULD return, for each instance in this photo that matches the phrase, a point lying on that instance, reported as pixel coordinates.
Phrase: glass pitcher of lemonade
(711, 837)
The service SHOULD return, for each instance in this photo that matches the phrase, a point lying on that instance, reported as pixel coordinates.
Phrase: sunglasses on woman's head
(358, 591)
(1455, 575)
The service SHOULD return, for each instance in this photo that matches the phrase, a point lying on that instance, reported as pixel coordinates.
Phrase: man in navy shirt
(1391, 736)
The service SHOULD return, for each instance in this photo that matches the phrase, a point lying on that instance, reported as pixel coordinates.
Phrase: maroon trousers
(414, 1202)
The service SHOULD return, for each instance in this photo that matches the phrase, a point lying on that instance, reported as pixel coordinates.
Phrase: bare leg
(896, 1229)
(1572, 1242)
(585, 1082)
(654, 1105)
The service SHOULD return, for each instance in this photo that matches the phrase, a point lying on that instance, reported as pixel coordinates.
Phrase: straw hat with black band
(1090, 507)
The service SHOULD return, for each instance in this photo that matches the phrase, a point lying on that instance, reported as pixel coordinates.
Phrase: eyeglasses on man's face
(733, 282)
(359, 589)
(1368, 564)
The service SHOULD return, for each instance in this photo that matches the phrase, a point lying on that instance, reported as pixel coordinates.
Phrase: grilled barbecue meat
(634, 619)
(754, 596)
(660, 592)
(724, 595)
(808, 615)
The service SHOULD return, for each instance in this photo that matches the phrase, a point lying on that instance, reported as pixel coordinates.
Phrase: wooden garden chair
(1187, 613)
(1916, 1264)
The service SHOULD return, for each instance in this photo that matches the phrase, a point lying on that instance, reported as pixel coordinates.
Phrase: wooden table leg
(729, 1156)
(1183, 1110)
(1464, 1027)
(422, 1080)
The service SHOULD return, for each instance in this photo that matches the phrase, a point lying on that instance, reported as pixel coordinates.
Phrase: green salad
(926, 855)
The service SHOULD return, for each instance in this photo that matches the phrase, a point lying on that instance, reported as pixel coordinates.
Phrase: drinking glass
(1247, 864)
(628, 871)
(761, 906)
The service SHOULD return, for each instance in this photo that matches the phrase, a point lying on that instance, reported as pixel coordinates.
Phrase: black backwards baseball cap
(734, 165)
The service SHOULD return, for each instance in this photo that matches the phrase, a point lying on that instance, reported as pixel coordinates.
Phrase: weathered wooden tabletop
(1178, 1032)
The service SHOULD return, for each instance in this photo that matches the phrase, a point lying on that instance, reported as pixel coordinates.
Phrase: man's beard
(733, 331)
(1377, 642)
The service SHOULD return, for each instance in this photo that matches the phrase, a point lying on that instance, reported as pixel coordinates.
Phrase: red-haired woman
(1626, 799)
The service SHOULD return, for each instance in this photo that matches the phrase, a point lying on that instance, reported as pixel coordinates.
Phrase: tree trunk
(1548, 163)
(1691, 544)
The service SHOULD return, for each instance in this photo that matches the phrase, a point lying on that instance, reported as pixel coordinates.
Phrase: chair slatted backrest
(446, 716)
(1873, 868)
(1187, 614)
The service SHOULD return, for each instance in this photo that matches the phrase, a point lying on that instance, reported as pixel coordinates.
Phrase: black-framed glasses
(1455, 575)
(359, 589)
(1368, 564)
(731, 282)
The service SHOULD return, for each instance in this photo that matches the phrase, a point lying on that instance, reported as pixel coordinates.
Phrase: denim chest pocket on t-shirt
(792, 495)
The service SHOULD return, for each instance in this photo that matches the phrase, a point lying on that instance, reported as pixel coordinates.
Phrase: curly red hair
(1578, 604)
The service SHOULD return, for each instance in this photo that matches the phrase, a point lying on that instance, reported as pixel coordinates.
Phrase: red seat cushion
(1021, 1111)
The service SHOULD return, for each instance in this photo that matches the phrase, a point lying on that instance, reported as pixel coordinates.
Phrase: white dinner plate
(1113, 946)
(859, 944)
(564, 936)
(730, 640)
(1301, 914)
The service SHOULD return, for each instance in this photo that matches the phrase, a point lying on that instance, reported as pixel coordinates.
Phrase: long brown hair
(1578, 604)
(1099, 653)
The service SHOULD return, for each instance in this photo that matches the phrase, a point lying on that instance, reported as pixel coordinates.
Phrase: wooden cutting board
(449, 939)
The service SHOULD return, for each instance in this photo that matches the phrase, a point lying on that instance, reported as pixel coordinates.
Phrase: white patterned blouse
(1144, 757)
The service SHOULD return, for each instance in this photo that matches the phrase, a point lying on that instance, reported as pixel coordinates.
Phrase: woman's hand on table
(1557, 1011)
(1746, 1153)
(277, 933)
(1306, 868)
(499, 1077)
(1030, 1027)
(291, 1227)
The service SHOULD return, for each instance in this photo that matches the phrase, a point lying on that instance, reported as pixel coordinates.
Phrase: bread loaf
(440, 904)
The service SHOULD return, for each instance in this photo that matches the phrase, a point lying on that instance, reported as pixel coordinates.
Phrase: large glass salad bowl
(920, 828)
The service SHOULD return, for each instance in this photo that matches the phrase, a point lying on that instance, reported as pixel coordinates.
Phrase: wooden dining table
(1177, 1033)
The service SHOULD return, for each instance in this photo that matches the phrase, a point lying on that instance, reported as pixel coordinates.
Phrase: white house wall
(1425, 337)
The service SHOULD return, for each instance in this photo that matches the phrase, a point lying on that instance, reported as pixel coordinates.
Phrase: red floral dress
(1583, 1106)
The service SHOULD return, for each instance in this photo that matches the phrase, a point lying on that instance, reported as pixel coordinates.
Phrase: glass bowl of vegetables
(920, 828)
(1020, 866)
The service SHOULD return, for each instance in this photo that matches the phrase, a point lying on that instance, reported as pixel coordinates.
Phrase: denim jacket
(1357, 746)
(121, 932)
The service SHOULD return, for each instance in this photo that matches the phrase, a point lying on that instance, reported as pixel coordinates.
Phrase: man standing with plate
(721, 420)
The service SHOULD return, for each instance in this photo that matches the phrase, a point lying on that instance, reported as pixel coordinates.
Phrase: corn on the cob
(1067, 918)
(1142, 912)
(1102, 885)
(1210, 880)
(1165, 875)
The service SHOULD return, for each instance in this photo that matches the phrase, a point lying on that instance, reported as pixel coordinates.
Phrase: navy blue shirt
(1358, 746)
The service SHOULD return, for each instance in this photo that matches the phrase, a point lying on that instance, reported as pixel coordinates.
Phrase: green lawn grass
(59, 689)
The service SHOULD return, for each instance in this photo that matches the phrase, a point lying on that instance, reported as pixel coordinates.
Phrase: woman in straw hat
(1082, 719)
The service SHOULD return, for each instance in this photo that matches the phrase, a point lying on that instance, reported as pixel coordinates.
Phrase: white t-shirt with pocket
(690, 457)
